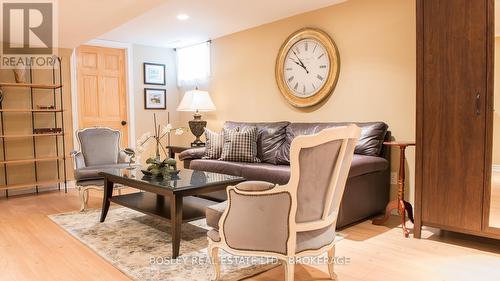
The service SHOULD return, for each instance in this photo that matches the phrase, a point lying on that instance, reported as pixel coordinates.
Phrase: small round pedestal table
(400, 204)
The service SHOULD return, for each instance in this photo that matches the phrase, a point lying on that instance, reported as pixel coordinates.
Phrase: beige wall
(144, 118)
(20, 123)
(377, 44)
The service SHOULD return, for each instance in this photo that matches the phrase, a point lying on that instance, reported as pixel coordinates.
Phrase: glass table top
(185, 179)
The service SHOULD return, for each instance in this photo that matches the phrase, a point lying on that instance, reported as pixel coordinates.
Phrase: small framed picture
(155, 99)
(154, 74)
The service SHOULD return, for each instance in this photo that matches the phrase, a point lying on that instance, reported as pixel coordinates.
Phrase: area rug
(140, 246)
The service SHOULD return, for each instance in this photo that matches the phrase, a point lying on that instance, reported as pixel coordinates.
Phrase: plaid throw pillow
(213, 146)
(240, 145)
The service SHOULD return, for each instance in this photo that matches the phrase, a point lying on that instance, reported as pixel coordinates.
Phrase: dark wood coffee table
(173, 199)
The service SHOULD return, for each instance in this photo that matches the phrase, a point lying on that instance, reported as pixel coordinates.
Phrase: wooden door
(451, 113)
(102, 97)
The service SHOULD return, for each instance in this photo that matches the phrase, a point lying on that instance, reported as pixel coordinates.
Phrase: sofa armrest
(193, 153)
(79, 161)
(255, 186)
(123, 157)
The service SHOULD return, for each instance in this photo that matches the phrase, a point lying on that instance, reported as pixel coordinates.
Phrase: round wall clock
(307, 67)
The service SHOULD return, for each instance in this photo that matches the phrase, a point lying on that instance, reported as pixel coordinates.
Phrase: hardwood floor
(32, 247)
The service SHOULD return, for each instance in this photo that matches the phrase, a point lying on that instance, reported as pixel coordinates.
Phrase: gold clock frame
(333, 74)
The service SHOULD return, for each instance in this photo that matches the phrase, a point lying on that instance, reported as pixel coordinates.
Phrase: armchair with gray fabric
(294, 220)
(99, 151)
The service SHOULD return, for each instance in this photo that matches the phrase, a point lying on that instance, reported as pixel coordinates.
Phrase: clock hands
(300, 62)
(297, 63)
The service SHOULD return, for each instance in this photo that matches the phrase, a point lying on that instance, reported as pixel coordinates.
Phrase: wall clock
(307, 67)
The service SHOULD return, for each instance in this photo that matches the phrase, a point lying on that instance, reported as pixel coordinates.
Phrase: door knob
(124, 123)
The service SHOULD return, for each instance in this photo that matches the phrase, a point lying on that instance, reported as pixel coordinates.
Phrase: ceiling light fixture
(182, 17)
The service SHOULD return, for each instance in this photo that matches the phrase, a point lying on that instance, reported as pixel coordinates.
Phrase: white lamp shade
(196, 100)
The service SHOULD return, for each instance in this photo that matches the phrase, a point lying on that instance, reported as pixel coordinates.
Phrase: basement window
(193, 64)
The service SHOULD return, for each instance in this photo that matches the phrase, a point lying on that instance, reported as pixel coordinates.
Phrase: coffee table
(174, 199)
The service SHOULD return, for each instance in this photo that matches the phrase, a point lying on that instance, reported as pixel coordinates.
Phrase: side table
(400, 204)
(172, 150)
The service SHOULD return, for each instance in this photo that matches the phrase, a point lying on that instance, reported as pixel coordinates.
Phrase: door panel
(101, 89)
(453, 135)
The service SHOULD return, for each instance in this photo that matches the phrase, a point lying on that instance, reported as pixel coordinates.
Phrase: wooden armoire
(455, 56)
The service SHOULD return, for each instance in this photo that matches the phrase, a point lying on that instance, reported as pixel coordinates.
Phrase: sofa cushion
(280, 174)
(240, 145)
(214, 213)
(92, 173)
(370, 143)
(362, 165)
(216, 166)
(192, 153)
(270, 137)
(214, 143)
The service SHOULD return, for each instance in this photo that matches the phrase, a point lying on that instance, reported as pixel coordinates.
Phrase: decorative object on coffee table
(131, 154)
(197, 101)
(158, 136)
(399, 204)
(166, 169)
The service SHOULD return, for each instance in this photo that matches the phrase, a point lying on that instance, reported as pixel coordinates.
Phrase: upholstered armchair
(295, 220)
(99, 151)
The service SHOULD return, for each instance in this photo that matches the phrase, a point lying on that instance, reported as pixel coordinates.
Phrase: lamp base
(197, 127)
(197, 144)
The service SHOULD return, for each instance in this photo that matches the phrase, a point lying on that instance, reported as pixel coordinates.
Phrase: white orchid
(166, 129)
(179, 131)
(159, 134)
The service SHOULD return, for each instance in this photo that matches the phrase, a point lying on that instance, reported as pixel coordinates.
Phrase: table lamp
(197, 101)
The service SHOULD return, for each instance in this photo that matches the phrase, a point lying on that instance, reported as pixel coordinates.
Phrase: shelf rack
(55, 87)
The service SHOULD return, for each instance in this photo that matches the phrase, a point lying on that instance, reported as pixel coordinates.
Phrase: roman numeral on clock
(291, 79)
(296, 86)
(320, 77)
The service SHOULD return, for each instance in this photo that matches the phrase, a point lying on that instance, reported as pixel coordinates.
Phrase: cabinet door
(453, 108)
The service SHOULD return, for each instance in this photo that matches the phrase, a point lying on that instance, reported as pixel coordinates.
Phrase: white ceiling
(83, 20)
(209, 19)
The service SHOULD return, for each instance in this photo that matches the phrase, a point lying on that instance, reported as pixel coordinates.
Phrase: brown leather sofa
(368, 185)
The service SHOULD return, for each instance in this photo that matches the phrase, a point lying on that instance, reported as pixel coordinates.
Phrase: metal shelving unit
(55, 88)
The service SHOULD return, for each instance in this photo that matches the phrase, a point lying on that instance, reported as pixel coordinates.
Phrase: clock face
(306, 68)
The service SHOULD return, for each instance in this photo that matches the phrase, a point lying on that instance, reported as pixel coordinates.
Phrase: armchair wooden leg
(80, 197)
(289, 270)
(331, 263)
(214, 258)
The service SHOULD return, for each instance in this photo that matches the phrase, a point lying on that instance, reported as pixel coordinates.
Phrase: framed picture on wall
(154, 74)
(155, 99)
